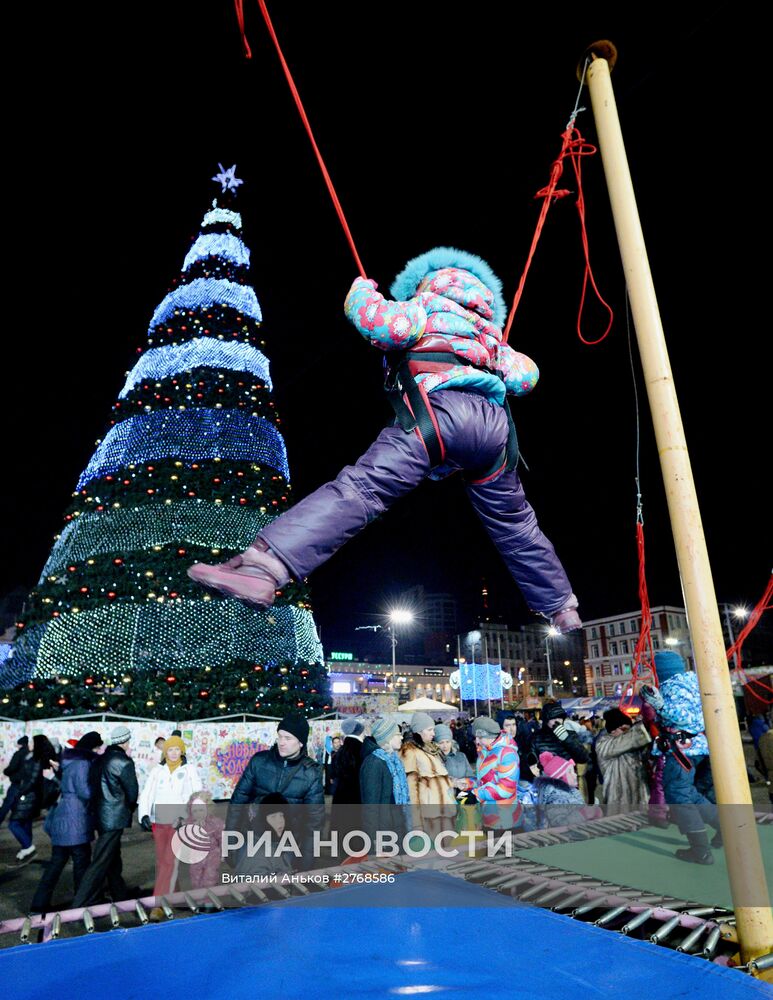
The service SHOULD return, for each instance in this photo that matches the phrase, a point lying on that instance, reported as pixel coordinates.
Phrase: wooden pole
(739, 830)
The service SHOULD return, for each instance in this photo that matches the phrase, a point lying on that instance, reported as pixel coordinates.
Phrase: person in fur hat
(429, 785)
(620, 755)
(450, 403)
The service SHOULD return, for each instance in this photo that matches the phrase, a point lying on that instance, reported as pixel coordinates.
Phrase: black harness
(413, 409)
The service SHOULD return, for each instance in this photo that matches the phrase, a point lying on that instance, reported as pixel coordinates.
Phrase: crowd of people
(517, 773)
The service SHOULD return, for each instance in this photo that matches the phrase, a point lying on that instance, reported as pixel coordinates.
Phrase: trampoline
(427, 933)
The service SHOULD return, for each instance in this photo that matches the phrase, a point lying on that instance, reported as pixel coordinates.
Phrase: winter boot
(253, 576)
(567, 619)
(716, 840)
(699, 852)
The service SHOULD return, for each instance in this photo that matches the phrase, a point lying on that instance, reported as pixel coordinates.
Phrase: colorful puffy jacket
(496, 784)
(681, 709)
(448, 302)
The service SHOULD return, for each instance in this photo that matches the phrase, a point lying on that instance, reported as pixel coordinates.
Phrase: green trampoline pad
(645, 860)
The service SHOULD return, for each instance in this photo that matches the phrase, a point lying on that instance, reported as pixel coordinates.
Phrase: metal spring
(692, 939)
(26, 927)
(761, 964)
(637, 921)
(665, 929)
(261, 896)
(142, 913)
(571, 902)
(168, 911)
(215, 901)
(712, 942)
(237, 895)
(190, 902)
(610, 915)
(115, 919)
(56, 926)
(555, 893)
(593, 904)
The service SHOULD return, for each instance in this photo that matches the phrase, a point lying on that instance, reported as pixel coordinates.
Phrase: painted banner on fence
(219, 750)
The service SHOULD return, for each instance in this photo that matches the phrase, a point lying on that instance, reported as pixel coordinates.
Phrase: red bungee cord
(304, 118)
(573, 148)
(760, 689)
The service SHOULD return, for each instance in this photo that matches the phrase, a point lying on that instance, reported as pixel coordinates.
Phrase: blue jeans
(690, 794)
(9, 801)
(22, 830)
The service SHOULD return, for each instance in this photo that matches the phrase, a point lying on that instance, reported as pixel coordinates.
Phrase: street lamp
(397, 616)
(551, 633)
(741, 614)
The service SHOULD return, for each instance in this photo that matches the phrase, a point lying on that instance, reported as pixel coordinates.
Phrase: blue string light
(193, 633)
(201, 352)
(189, 522)
(202, 293)
(191, 435)
(218, 245)
(222, 215)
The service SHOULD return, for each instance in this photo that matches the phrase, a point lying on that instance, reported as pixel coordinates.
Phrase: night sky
(438, 123)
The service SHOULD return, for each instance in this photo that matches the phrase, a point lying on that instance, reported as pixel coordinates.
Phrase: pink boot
(567, 619)
(253, 576)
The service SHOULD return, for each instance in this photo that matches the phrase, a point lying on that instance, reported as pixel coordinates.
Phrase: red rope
(304, 119)
(573, 147)
(734, 651)
(240, 18)
(643, 656)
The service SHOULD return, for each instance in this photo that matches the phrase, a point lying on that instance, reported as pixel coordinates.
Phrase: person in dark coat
(384, 785)
(70, 824)
(284, 769)
(35, 791)
(348, 763)
(556, 738)
(114, 794)
(13, 772)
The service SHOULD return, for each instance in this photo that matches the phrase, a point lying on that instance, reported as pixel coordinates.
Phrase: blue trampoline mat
(428, 933)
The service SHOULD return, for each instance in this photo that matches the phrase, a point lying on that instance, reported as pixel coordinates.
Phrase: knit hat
(484, 726)
(119, 734)
(614, 718)
(297, 726)
(89, 741)
(457, 275)
(22, 741)
(383, 730)
(553, 765)
(420, 721)
(553, 710)
(443, 733)
(352, 727)
(174, 741)
(668, 663)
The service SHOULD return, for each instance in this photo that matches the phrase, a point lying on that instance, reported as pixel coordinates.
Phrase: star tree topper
(228, 178)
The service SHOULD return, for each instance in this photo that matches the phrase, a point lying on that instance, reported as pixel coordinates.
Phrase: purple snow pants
(474, 433)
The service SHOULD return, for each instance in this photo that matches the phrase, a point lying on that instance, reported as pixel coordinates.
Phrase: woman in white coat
(164, 804)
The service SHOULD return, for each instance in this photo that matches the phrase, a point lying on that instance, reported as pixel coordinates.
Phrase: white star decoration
(228, 178)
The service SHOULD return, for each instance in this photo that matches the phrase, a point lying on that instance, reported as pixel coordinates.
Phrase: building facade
(610, 644)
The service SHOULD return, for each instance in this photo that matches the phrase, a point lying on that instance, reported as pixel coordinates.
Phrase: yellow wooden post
(742, 847)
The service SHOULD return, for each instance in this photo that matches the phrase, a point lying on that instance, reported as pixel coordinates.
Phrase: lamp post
(741, 614)
(551, 633)
(398, 616)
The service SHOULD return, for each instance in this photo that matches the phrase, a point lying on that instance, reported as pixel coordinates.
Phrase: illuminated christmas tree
(192, 466)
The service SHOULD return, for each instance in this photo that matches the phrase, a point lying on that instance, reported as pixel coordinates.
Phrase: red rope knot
(573, 148)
